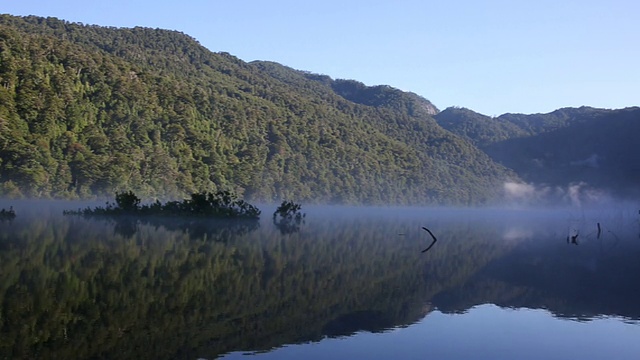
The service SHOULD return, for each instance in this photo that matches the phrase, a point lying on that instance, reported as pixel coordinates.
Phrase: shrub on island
(221, 205)
(288, 217)
(7, 214)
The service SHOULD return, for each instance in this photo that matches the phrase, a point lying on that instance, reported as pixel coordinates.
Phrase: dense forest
(87, 111)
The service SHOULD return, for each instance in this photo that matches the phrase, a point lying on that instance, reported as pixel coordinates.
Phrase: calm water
(348, 283)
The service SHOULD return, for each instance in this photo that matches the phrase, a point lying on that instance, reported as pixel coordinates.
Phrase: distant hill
(378, 96)
(480, 129)
(87, 110)
(596, 147)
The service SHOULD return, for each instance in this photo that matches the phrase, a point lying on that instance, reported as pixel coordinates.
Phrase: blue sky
(490, 56)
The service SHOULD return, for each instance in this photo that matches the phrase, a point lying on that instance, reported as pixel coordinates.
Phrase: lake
(349, 282)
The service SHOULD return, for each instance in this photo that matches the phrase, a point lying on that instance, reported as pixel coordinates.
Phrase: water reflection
(196, 228)
(77, 288)
(485, 332)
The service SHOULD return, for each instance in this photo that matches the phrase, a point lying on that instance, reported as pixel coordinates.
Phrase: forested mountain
(87, 110)
(597, 147)
(480, 129)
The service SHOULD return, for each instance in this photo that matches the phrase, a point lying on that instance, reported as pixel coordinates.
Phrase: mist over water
(578, 194)
(76, 287)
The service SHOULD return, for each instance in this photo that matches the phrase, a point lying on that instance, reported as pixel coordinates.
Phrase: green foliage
(10, 190)
(288, 211)
(287, 217)
(222, 204)
(7, 214)
(567, 146)
(127, 201)
(480, 129)
(87, 111)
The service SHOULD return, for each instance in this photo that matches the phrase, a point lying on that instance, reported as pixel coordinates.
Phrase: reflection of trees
(348, 324)
(287, 226)
(196, 228)
(288, 218)
(76, 288)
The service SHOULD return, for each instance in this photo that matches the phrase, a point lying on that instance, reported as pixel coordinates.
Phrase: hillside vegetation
(595, 147)
(88, 111)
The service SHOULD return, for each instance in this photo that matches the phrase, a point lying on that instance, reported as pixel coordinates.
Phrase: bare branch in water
(574, 238)
(432, 243)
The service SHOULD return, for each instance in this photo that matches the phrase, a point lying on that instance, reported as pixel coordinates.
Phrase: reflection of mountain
(79, 289)
(73, 288)
(348, 324)
(598, 278)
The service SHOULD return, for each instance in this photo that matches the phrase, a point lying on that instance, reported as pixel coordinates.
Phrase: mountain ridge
(91, 110)
(589, 146)
(87, 111)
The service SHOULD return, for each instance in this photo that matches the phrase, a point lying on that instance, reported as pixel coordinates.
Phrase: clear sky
(490, 56)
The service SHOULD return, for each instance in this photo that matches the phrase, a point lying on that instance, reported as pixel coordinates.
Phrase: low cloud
(575, 194)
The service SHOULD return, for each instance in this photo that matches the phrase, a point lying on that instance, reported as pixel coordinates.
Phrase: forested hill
(380, 96)
(87, 110)
(594, 147)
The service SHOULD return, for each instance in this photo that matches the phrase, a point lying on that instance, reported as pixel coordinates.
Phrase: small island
(219, 205)
(287, 217)
(7, 214)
